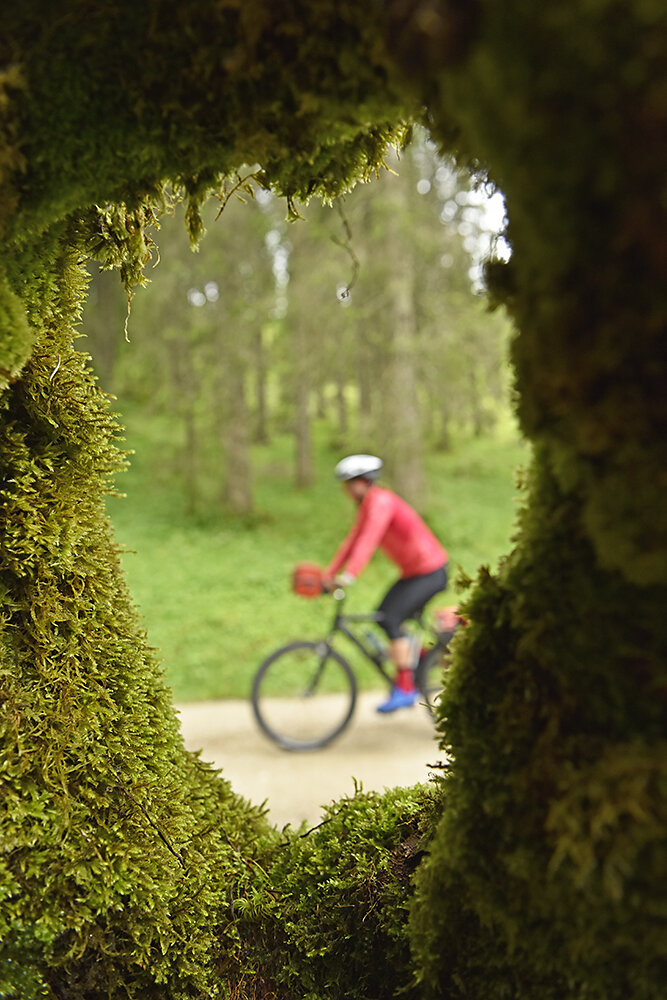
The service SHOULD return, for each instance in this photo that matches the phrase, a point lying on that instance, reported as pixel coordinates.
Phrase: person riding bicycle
(386, 521)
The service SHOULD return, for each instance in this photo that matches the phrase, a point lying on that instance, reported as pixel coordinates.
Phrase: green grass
(214, 593)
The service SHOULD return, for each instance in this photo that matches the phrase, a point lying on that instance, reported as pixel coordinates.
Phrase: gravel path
(378, 751)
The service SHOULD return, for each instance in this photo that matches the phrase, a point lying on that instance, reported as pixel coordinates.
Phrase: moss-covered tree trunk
(129, 869)
(547, 874)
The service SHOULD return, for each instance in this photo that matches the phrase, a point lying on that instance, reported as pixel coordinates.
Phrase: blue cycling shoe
(398, 699)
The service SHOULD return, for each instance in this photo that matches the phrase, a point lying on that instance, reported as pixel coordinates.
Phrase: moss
(106, 836)
(332, 919)
(12, 161)
(121, 853)
(128, 868)
(548, 866)
(16, 336)
(577, 144)
(302, 90)
(546, 877)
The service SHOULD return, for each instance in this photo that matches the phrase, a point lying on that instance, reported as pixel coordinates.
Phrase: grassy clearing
(214, 592)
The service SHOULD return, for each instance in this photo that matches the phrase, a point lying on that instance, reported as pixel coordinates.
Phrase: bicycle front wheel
(304, 695)
(430, 676)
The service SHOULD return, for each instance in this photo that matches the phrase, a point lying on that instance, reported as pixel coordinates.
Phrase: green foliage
(221, 601)
(546, 875)
(544, 736)
(80, 691)
(17, 337)
(269, 343)
(335, 918)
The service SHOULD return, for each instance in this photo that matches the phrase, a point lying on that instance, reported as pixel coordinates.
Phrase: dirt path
(379, 751)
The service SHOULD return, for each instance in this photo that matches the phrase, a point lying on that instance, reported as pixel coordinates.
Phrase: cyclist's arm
(342, 553)
(374, 520)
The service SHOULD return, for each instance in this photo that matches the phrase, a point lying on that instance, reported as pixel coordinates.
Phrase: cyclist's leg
(402, 601)
(393, 614)
(406, 597)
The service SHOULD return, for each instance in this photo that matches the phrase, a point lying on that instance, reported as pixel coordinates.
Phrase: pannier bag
(307, 580)
(447, 619)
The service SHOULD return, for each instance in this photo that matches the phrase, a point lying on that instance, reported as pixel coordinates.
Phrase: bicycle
(304, 694)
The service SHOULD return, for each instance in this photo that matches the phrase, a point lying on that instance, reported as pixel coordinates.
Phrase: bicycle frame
(341, 623)
(317, 671)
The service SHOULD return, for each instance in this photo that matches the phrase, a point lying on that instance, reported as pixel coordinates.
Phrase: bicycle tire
(304, 695)
(429, 675)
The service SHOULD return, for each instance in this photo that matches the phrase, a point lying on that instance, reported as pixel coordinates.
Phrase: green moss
(108, 854)
(303, 91)
(547, 868)
(128, 868)
(332, 917)
(16, 336)
(546, 877)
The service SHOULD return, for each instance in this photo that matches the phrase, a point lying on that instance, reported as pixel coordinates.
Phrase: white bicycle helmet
(359, 467)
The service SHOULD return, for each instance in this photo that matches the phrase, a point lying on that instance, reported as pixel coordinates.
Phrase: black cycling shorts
(406, 597)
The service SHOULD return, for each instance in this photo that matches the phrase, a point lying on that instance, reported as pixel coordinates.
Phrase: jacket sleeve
(370, 529)
(343, 551)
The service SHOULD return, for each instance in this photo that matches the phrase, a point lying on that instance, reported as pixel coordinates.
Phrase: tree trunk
(234, 420)
(444, 440)
(341, 408)
(236, 443)
(303, 468)
(106, 330)
(301, 381)
(368, 380)
(261, 435)
(401, 431)
(320, 402)
(128, 867)
(475, 403)
(185, 392)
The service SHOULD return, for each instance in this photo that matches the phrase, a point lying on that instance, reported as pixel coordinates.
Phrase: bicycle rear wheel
(430, 675)
(303, 695)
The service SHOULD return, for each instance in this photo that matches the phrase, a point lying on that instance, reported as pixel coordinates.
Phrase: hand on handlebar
(339, 581)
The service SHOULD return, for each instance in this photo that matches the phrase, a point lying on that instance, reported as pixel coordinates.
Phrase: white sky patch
(490, 215)
(263, 197)
(280, 268)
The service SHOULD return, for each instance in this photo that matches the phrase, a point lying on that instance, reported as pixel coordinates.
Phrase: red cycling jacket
(387, 522)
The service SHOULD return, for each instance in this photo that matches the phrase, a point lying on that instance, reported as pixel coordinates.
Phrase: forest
(534, 865)
(337, 314)
(236, 457)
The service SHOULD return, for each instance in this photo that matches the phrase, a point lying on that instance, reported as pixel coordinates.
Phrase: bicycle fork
(323, 652)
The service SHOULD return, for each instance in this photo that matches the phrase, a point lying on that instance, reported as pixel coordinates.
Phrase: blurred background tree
(255, 363)
(340, 316)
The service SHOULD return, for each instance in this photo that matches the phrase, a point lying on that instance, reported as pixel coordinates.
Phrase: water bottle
(375, 644)
(415, 650)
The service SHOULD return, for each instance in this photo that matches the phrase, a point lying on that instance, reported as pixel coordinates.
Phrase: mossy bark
(129, 869)
(547, 874)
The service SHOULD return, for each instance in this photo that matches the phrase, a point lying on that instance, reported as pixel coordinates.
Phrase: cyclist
(387, 522)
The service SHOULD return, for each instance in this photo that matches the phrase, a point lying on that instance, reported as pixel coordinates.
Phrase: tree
(129, 869)
(347, 321)
(200, 333)
(402, 438)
